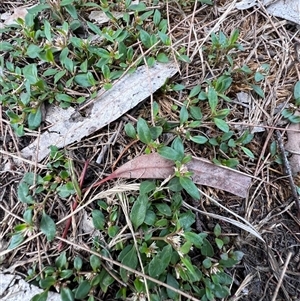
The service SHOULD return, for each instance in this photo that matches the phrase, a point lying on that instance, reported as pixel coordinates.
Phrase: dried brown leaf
(153, 166)
(209, 174)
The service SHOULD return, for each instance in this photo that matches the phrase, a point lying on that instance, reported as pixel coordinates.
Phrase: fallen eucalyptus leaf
(153, 166)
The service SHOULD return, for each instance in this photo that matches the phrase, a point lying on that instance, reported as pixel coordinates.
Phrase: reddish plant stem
(75, 203)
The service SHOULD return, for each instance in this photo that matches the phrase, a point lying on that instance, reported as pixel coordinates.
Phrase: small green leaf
(147, 186)
(16, 240)
(35, 119)
(184, 115)
(184, 58)
(59, 75)
(297, 93)
(145, 38)
(217, 230)
(47, 282)
(138, 211)
(19, 129)
(258, 77)
(212, 99)
(178, 146)
(23, 193)
(171, 280)
(77, 263)
(48, 226)
(162, 58)
(237, 255)
(170, 153)
(83, 290)
(273, 148)
(156, 131)
(199, 139)
(246, 69)
(195, 91)
(137, 7)
(130, 130)
(186, 219)
(66, 274)
(47, 30)
(143, 131)
(27, 215)
(195, 238)
(71, 9)
(112, 231)
(221, 291)
(248, 152)
(160, 262)
(95, 262)
(41, 297)
(150, 218)
(66, 190)
(66, 2)
(6, 46)
(219, 243)
(190, 187)
(207, 263)
(130, 259)
(150, 61)
(98, 219)
(178, 87)
(207, 249)
(221, 124)
(190, 268)
(105, 280)
(30, 73)
(156, 17)
(105, 71)
(196, 113)
(164, 209)
(294, 119)
(84, 80)
(33, 51)
(258, 90)
(66, 294)
(61, 261)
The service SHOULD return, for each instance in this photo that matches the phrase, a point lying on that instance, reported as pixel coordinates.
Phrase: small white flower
(152, 249)
(176, 241)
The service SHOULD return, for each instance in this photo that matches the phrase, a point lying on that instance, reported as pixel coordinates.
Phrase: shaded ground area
(269, 205)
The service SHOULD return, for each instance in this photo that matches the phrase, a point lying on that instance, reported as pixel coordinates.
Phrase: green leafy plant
(33, 191)
(164, 248)
(148, 233)
(290, 113)
(221, 45)
(57, 59)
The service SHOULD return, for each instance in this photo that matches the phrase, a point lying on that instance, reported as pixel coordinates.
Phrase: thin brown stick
(288, 171)
(75, 203)
(282, 275)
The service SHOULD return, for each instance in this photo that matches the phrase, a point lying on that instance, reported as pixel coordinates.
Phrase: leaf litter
(153, 166)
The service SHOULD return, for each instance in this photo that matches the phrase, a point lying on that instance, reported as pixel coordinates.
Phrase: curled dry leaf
(153, 166)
